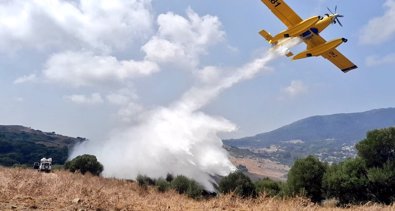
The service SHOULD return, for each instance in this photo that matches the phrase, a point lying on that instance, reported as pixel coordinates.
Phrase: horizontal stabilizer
(266, 35)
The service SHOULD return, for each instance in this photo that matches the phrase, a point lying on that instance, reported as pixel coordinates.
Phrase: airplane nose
(344, 40)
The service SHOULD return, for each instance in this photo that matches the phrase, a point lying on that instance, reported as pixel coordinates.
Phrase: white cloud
(98, 24)
(85, 68)
(93, 99)
(181, 40)
(296, 88)
(25, 78)
(164, 51)
(380, 60)
(380, 29)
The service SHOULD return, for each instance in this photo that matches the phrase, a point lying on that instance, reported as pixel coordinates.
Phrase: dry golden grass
(22, 189)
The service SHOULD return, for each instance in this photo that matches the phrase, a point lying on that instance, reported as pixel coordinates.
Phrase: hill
(330, 137)
(24, 146)
(23, 189)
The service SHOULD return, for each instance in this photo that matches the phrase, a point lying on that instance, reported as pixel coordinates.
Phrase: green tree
(382, 183)
(238, 183)
(378, 148)
(347, 181)
(305, 176)
(85, 163)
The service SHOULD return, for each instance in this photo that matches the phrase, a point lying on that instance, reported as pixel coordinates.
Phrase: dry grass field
(22, 189)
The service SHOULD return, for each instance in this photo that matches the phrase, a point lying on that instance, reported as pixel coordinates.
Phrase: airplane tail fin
(267, 36)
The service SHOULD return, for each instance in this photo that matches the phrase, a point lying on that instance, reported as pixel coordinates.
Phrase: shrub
(190, 187)
(85, 163)
(180, 184)
(238, 183)
(162, 185)
(268, 187)
(194, 190)
(305, 178)
(144, 180)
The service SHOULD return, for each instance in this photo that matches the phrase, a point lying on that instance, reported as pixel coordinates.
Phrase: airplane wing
(283, 12)
(333, 55)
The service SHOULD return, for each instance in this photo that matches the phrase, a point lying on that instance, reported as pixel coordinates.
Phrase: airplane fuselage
(305, 29)
(318, 27)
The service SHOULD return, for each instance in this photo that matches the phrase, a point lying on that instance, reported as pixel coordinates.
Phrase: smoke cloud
(180, 138)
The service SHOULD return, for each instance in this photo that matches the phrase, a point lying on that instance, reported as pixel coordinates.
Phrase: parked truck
(45, 165)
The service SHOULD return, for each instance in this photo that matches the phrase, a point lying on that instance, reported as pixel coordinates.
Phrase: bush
(268, 186)
(144, 180)
(85, 163)
(238, 183)
(305, 177)
(194, 190)
(190, 187)
(180, 184)
(162, 185)
(347, 181)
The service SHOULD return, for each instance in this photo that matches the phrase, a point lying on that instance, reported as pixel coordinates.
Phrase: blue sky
(83, 68)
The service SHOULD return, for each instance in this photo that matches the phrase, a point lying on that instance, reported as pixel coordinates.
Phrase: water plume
(180, 138)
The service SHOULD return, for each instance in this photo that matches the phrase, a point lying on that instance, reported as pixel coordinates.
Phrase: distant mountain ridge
(318, 134)
(50, 139)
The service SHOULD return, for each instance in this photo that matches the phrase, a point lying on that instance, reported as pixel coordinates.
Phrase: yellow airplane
(308, 30)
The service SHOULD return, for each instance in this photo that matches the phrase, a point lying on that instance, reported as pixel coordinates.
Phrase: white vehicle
(45, 165)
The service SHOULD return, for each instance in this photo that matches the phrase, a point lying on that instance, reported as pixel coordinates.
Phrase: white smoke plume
(178, 139)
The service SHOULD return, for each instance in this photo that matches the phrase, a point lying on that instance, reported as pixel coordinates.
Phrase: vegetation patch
(85, 163)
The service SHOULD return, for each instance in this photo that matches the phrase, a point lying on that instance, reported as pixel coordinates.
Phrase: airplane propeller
(336, 16)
